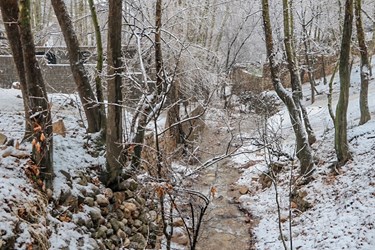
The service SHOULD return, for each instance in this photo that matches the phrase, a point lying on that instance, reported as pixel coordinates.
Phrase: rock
(136, 214)
(115, 239)
(128, 230)
(102, 200)
(120, 215)
(141, 201)
(129, 184)
(121, 234)
(119, 197)
(82, 181)
(137, 223)
(108, 193)
(127, 213)
(105, 211)
(130, 206)
(139, 239)
(58, 127)
(243, 190)
(3, 139)
(95, 215)
(126, 242)
(109, 232)
(89, 201)
(116, 225)
(128, 194)
(152, 216)
(101, 232)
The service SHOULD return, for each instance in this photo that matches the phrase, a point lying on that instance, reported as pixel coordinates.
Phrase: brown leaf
(42, 137)
(213, 191)
(37, 127)
(64, 218)
(17, 146)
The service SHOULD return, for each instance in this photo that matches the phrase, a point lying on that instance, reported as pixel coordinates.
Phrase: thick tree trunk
(99, 65)
(365, 65)
(76, 63)
(9, 12)
(42, 146)
(114, 125)
(341, 141)
(294, 72)
(304, 152)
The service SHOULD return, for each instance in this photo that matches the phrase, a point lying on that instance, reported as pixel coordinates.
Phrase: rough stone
(128, 184)
(105, 211)
(119, 197)
(102, 200)
(115, 239)
(3, 139)
(101, 232)
(109, 232)
(138, 223)
(243, 190)
(152, 215)
(89, 201)
(108, 193)
(95, 215)
(127, 213)
(128, 194)
(139, 239)
(130, 206)
(121, 234)
(116, 225)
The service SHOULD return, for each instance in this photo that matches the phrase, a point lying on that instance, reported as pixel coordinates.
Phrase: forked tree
(304, 151)
(36, 95)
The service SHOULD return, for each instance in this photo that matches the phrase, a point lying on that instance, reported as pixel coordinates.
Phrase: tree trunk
(42, 146)
(76, 63)
(341, 141)
(294, 72)
(99, 65)
(304, 152)
(365, 65)
(9, 12)
(114, 126)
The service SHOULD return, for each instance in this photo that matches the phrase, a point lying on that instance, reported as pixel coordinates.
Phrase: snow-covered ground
(342, 206)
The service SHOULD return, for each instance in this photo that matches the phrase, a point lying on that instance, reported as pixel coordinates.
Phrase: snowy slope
(343, 205)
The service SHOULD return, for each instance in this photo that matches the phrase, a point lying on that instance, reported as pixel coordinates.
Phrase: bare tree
(293, 68)
(9, 12)
(76, 63)
(39, 108)
(304, 151)
(99, 64)
(114, 124)
(365, 65)
(341, 140)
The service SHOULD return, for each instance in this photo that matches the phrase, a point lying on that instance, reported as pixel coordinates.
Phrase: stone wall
(246, 81)
(57, 77)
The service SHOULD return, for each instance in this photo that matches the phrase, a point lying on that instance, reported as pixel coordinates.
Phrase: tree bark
(365, 65)
(114, 126)
(42, 146)
(341, 141)
(293, 70)
(9, 12)
(99, 65)
(76, 63)
(304, 151)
